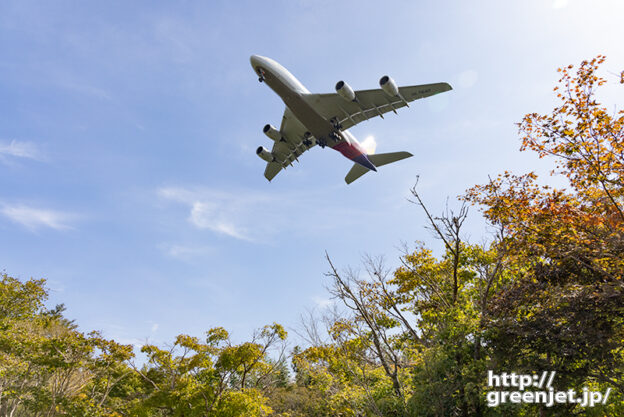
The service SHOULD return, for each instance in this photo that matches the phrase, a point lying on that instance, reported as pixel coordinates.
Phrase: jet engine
(387, 84)
(264, 153)
(272, 132)
(345, 91)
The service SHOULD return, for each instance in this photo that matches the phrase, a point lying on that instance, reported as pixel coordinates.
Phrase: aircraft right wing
(288, 150)
(369, 103)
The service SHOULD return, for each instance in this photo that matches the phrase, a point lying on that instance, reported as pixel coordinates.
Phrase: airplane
(323, 119)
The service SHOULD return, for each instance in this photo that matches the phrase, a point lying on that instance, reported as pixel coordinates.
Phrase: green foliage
(546, 294)
(47, 366)
(215, 378)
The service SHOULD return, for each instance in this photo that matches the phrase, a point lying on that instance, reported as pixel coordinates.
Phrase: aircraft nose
(255, 60)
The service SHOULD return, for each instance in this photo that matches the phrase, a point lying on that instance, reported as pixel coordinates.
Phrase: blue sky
(128, 130)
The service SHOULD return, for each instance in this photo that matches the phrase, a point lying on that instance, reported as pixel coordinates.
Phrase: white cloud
(208, 216)
(154, 327)
(34, 218)
(257, 217)
(186, 253)
(219, 212)
(20, 149)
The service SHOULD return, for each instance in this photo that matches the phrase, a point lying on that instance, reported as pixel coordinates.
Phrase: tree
(564, 309)
(213, 378)
(47, 367)
(546, 293)
(449, 296)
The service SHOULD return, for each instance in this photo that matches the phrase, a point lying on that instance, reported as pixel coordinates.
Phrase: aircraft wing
(287, 151)
(369, 103)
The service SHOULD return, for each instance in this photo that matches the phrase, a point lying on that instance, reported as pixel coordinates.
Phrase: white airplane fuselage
(291, 91)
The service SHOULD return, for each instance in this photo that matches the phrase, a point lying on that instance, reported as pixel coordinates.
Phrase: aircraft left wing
(287, 150)
(369, 103)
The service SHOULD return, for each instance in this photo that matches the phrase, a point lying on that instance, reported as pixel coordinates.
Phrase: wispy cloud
(36, 218)
(216, 211)
(208, 216)
(186, 252)
(257, 217)
(19, 149)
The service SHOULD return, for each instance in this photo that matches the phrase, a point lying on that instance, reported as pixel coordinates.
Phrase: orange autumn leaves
(584, 224)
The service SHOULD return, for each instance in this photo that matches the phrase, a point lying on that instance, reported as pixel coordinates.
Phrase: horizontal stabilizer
(378, 160)
(356, 172)
(382, 159)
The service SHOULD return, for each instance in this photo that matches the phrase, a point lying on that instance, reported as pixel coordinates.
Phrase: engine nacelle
(345, 91)
(264, 153)
(387, 84)
(272, 132)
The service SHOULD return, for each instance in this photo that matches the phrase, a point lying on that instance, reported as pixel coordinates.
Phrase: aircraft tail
(378, 160)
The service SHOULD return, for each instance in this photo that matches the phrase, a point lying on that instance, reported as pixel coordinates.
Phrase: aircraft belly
(314, 122)
(303, 111)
